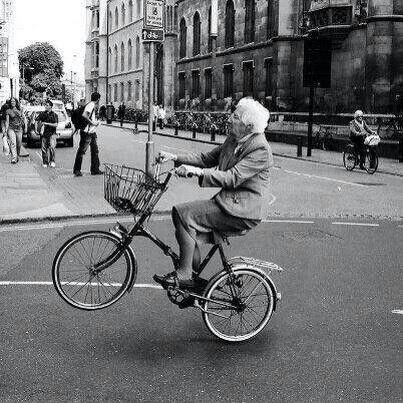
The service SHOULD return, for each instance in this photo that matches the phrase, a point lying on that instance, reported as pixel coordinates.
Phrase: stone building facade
(259, 51)
(114, 51)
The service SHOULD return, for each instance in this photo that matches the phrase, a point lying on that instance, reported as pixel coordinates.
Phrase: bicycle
(94, 269)
(351, 158)
(323, 138)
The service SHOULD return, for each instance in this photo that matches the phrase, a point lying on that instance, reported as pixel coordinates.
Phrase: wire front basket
(130, 189)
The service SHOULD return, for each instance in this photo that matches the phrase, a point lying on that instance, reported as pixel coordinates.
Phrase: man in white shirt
(88, 137)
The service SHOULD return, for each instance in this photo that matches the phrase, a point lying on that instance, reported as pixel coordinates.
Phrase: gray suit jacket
(243, 176)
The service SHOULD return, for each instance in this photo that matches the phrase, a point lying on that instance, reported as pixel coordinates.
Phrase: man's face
(48, 107)
(359, 117)
(238, 127)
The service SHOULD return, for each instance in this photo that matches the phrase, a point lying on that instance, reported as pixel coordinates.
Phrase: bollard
(136, 129)
(299, 146)
(212, 132)
(176, 129)
(154, 125)
(194, 132)
(121, 122)
(400, 149)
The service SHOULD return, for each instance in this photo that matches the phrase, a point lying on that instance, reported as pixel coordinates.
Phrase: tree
(42, 67)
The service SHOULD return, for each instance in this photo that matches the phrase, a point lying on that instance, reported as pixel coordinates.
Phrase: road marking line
(289, 221)
(398, 311)
(323, 178)
(8, 283)
(358, 224)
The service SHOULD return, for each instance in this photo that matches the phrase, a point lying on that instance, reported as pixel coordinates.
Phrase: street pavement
(30, 192)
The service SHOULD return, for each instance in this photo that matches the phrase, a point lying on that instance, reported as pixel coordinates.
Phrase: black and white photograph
(201, 201)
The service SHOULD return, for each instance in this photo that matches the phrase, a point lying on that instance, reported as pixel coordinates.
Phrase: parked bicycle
(351, 157)
(94, 269)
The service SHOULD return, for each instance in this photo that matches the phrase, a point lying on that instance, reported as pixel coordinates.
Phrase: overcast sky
(59, 22)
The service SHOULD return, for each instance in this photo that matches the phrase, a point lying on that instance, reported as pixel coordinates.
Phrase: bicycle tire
(219, 290)
(349, 158)
(371, 161)
(85, 290)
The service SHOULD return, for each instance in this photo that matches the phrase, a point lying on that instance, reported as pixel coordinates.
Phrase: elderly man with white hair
(358, 131)
(240, 168)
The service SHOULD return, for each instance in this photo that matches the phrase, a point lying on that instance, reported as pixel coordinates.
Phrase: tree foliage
(42, 67)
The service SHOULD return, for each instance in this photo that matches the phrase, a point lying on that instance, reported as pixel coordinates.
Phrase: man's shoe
(52, 165)
(24, 155)
(172, 280)
(97, 173)
(14, 161)
(44, 165)
(78, 173)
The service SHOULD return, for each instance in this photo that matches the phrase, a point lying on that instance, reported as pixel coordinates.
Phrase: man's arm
(354, 130)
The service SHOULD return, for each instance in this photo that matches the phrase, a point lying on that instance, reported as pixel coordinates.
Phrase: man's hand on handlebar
(164, 156)
(187, 171)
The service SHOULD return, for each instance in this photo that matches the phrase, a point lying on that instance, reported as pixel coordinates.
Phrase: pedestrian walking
(161, 114)
(88, 137)
(48, 121)
(102, 112)
(121, 113)
(14, 127)
(5, 143)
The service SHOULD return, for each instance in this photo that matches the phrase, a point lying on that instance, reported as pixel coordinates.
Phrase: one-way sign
(150, 35)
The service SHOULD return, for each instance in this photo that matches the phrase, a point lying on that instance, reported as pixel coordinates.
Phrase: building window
(210, 40)
(248, 78)
(269, 77)
(249, 21)
(122, 92)
(110, 21)
(109, 60)
(115, 92)
(109, 95)
(130, 10)
(129, 91)
(122, 57)
(123, 12)
(228, 80)
(182, 39)
(196, 34)
(195, 83)
(138, 8)
(137, 91)
(96, 55)
(208, 82)
(229, 24)
(116, 18)
(182, 85)
(137, 52)
(271, 19)
(129, 54)
(116, 58)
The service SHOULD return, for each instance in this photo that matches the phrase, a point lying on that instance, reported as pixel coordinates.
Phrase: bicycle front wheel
(349, 158)
(371, 161)
(238, 306)
(75, 275)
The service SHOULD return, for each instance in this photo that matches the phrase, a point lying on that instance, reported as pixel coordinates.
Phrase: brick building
(259, 51)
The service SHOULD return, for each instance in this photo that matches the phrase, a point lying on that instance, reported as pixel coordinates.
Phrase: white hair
(253, 113)
(358, 113)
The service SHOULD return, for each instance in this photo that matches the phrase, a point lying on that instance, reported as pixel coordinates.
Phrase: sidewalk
(29, 193)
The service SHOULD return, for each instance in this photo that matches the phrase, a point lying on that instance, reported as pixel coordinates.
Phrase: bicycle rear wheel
(349, 158)
(239, 307)
(79, 283)
(371, 161)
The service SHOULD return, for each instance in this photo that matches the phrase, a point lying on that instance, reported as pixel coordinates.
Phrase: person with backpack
(87, 123)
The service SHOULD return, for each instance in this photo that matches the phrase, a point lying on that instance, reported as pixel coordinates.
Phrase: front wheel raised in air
(77, 277)
(238, 306)
(371, 161)
(349, 158)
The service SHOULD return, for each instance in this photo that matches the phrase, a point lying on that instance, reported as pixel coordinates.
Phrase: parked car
(64, 130)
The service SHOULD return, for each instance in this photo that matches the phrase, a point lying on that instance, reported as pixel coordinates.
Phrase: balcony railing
(324, 13)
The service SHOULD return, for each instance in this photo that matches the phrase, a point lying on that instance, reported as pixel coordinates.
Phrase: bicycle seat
(220, 237)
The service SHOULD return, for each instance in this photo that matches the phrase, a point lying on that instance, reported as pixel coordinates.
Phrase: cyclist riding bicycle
(240, 167)
(358, 131)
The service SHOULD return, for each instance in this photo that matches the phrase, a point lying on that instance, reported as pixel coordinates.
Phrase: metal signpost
(153, 31)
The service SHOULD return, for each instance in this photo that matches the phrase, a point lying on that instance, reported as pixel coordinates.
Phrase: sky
(59, 22)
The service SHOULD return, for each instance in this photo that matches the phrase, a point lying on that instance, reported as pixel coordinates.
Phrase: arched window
(116, 59)
(130, 10)
(122, 92)
(137, 52)
(210, 41)
(271, 19)
(110, 60)
(196, 34)
(182, 38)
(116, 18)
(129, 55)
(138, 8)
(129, 90)
(249, 21)
(122, 57)
(123, 12)
(110, 21)
(229, 24)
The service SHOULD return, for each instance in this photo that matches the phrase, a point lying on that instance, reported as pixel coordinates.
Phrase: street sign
(153, 14)
(151, 35)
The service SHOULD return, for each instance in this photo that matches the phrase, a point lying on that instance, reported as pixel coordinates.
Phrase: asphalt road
(334, 336)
